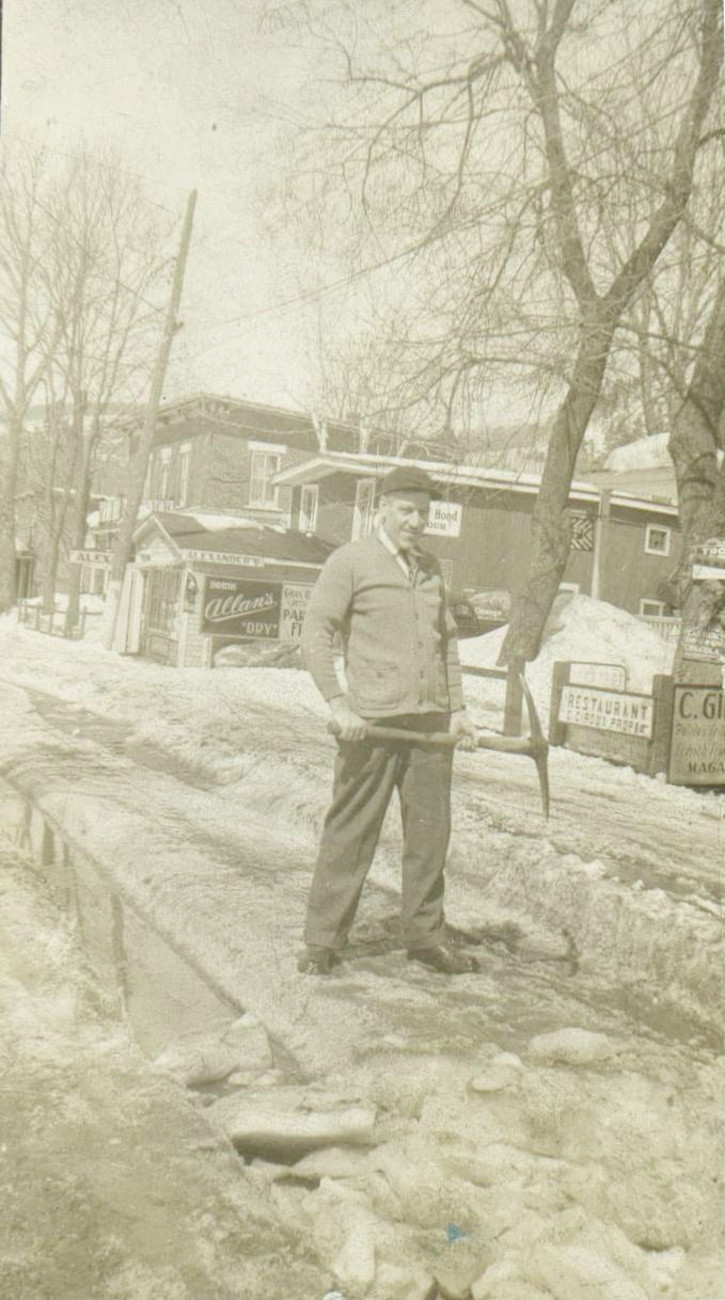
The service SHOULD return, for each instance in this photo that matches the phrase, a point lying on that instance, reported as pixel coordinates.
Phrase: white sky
(195, 93)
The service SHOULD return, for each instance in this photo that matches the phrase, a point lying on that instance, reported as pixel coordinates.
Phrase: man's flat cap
(408, 479)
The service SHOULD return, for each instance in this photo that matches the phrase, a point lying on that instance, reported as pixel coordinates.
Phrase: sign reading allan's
(631, 715)
(697, 749)
(243, 607)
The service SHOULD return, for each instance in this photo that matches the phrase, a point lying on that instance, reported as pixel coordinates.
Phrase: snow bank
(644, 453)
(581, 629)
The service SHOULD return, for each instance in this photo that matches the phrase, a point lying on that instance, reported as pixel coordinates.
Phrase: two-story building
(624, 545)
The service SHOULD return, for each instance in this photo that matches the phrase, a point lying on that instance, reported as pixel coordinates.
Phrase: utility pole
(139, 461)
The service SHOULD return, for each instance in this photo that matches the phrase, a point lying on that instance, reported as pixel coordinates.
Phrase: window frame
(268, 452)
(363, 516)
(648, 600)
(164, 473)
(184, 472)
(310, 515)
(667, 536)
(163, 600)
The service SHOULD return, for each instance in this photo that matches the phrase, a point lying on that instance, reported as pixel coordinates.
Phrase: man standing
(386, 598)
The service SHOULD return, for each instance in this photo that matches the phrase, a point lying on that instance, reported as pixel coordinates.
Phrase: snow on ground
(113, 1183)
(581, 630)
(521, 1164)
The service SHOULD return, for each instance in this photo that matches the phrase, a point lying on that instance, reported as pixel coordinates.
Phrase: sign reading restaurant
(631, 715)
(697, 748)
(245, 607)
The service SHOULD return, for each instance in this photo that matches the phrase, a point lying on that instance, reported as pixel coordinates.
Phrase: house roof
(197, 531)
(369, 466)
(188, 417)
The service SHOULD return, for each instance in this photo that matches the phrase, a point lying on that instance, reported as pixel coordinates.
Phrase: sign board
(101, 559)
(611, 677)
(248, 607)
(295, 599)
(444, 519)
(697, 746)
(707, 645)
(224, 557)
(711, 552)
(630, 715)
(709, 572)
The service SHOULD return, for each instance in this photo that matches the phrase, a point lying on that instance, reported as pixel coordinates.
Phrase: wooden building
(624, 546)
(202, 582)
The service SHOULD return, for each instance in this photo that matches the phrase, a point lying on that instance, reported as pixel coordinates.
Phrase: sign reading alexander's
(631, 715)
(697, 750)
(245, 607)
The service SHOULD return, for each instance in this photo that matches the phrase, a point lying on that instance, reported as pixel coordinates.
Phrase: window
(657, 540)
(184, 463)
(308, 507)
(652, 608)
(364, 512)
(262, 490)
(162, 599)
(164, 466)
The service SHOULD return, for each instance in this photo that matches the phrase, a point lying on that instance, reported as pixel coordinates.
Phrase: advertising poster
(697, 751)
(241, 607)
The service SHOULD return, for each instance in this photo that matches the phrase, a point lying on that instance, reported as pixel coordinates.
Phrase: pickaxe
(533, 746)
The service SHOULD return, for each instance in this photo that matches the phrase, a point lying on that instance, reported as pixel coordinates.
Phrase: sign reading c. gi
(697, 749)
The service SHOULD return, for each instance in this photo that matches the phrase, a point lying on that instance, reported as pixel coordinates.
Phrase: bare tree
(28, 330)
(107, 266)
(523, 171)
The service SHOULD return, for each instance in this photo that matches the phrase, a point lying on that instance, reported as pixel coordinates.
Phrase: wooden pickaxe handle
(533, 746)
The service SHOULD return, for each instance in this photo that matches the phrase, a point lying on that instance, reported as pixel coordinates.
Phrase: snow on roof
(585, 631)
(216, 523)
(233, 535)
(643, 453)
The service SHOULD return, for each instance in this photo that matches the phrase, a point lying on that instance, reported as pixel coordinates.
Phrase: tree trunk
(8, 558)
(79, 541)
(695, 437)
(550, 525)
(139, 462)
(694, 443)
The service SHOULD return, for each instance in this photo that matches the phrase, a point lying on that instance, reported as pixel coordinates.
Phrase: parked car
(479, 612)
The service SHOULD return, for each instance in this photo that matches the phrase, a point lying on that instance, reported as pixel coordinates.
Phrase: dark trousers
(365, 777)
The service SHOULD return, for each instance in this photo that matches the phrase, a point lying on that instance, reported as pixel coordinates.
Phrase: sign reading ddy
(245, 607)
(697, 748)
(631, 715)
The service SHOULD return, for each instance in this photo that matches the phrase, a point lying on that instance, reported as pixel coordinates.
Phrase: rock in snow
(280, 1121)
(571, 1047)
(208, 1057)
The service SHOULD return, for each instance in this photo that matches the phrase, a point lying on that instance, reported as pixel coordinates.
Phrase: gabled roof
(197, 531)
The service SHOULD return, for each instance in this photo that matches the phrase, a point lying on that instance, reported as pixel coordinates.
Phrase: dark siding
(629, 574)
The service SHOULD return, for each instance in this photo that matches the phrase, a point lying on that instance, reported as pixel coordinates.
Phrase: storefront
(201, 583)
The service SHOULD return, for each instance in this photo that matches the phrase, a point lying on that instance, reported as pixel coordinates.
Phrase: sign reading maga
(248, 607)
(697, 749)
(632, 715)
